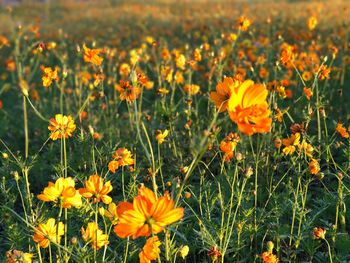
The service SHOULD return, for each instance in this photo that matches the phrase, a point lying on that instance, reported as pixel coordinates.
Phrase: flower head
(319, 233)
(243, 23)
(146, 215)
(16, 256)
(94, 235)
(61, 126)
(268, 257)
(150, 250)
(45, 233)
(98, 190)
(249, 109)
(49, 75)
(121, 157)
(314, 167)
(342, 130)
(127, 91)
(92, 56)
(228, 146)
(223, 92)
(312, 22)
(62, 192)
(160, 136)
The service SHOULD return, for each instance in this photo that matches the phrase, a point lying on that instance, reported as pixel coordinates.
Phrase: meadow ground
(175, 131)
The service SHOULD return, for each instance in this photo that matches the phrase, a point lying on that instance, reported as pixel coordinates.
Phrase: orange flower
(127, 91)
(323, 72)
(61, 126)
(3, 41)
(228, 146)
(146, 215)
(124, 69)
(308, 93)
(150, 250)
(243, 23)
(223, 92)
(121, 157)
(62, 192)
(49, 76)
(91, 55)
(92, 234)
(319, 233)
(1, 104)
(248, 108)
(16, 256)
(95, 188)
(342, 131)
(10, 65)
(314, 167)
(287, 54)
(290, 143)
(191, 89)
(45, 233)
(268, 257)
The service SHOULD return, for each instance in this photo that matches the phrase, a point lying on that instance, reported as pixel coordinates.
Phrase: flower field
(175, 131)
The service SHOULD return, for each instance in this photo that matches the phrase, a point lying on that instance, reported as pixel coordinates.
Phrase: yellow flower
(112, 213)
(62, 192)
(290, 144)
(49, 75)
(16, 256)
(150, 250)
(243, 23)
(46, 233)
(121, 157)
(160, 137)
(312, 22)
(61, 126)
(183, 251)
(91, 55)
(92, 234)
(191, 89)
(95, 188)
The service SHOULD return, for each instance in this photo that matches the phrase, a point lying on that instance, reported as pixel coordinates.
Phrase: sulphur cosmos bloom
(147, 215)
(150, 250)
(92, 234)
(92, 56)
(48, 232)
(98, 190)
(61, 127)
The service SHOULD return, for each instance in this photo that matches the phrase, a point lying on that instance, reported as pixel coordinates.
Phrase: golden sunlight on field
(174, 131)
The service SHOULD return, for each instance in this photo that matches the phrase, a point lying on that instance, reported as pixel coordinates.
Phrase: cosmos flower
(150, 250)
(249, 109)
(93, 235)
(312, 22)
(268, 257)
(98, 190)
(223, 92)
(319, 233)
(17, 256)
(308, 93)
(228, 146)
(48, 232)
(49, 75)
(342, 130)
(92, 56)
(291, 143)
(62, 192)
(146, 215)
(127, 91)
(314, 167)
(121, 157)
(191, 89)
(61, 126)
(160, 136)
(243, 23)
